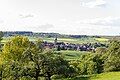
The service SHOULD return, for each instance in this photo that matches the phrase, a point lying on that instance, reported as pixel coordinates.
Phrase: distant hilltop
(41, 34)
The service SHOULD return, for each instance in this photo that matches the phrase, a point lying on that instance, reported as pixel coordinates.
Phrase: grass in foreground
(102, 76)
(107, 76)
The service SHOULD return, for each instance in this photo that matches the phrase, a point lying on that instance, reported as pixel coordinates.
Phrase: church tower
(55, 41)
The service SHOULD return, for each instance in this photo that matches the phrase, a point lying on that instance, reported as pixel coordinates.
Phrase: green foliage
(22, 59)
(54, 77)
(101, 50)
(90, 64)
(103, 60)
(15, 47)
(112, 57)
(47, 64)
(26, 60)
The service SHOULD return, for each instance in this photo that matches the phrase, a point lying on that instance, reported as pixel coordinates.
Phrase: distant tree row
(47, 35)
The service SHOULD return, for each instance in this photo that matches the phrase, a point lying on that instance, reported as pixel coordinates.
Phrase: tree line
(46, 35)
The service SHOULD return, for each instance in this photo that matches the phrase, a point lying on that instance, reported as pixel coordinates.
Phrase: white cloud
(93, 4)
(42, 27)
(108, 21)
(46, 26)
(26, 15)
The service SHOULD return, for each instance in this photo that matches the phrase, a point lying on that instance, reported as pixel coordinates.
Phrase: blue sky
(90, 17)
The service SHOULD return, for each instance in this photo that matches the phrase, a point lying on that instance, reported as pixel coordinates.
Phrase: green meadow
(72, 55)
(65, 40)
(102, 76)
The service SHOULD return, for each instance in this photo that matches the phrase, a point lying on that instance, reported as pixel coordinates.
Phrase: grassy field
(72, 55)
(77, 41)
(65, 40)
(102, 76)
(107, 76)
(101, 39)
(5, 39)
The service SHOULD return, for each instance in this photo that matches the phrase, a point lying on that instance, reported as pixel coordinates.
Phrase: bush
(92, 68)
(101, 50)
(90, 64)
(112, 57)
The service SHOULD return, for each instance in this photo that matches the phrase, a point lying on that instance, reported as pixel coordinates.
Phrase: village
(70, 46)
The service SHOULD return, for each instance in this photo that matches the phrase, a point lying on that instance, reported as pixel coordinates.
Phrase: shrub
(112, 57)
(101, 50)
(90, 64)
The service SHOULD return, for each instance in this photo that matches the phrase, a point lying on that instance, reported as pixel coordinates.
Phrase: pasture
(65, 40)
(102, 39)
(77, 41)
(102, 76)
(72, 55)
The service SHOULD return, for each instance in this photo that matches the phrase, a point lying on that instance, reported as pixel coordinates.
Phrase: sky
(81, 17)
